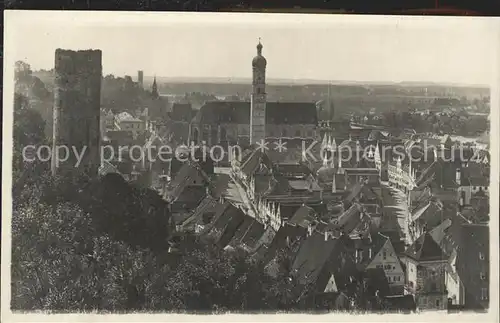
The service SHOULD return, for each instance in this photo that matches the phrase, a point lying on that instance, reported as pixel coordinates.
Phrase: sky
(320, 47)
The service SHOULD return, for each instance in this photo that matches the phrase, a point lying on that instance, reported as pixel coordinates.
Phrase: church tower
(154, 90)
(258, 98)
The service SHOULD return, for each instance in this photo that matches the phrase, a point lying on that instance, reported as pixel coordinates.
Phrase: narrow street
(395, 202)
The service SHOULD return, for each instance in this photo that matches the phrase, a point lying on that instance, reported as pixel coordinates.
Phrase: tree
(29, 125)
(22, 71)
(138, 216)
(28, 129)
(61, 263)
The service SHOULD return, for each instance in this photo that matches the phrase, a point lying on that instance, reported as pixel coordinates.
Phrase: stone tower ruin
(77, 96)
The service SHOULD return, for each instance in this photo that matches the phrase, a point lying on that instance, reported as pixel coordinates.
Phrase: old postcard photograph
(186, 165)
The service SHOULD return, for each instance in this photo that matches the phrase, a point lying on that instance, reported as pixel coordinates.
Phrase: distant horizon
(282, 81)
(312, 48)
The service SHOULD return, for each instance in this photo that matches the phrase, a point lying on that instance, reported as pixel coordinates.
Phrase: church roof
(236, 112)
(259, 61)
(182, 112)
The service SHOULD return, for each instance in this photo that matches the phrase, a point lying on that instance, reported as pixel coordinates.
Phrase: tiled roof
(218, 112)
(178, 132)
(432, 142)
(378, 241)
(430, 210)
(253, 234)
(241, 231)
(220, 185)
(441, 233)
(252, 163)
(182, 112)
(390, 223)
(262, 183)
(302, 185)
(236, 219)
(312, 256)
(119, 135)
(425, 249)
(125, 116)
(226, 220)
(286, 234)
(355, 190)
(107, 168)
(348, 221)
(376, 135)
(292, 170)
(181, 179)
(287, 211)
(154, 141)
(191, 195)
(304, 216)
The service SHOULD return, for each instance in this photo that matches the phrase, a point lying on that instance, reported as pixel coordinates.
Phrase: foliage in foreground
(64, 259)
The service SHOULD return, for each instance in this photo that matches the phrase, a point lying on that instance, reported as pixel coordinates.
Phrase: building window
(437, 303)
(484, 294)
(297, 133)
(433, 287)
(384, 255)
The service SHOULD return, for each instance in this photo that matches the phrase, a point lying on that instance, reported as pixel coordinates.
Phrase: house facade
(426, 266)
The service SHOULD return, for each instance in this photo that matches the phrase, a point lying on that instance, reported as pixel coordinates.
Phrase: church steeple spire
(258, 98)
(259, 48)
(154, 89)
